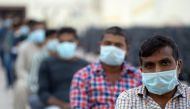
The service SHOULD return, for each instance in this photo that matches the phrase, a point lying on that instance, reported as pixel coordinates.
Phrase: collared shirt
(23, 64)
(91, 90)
(138, 99)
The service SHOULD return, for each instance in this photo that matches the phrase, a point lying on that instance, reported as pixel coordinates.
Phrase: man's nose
(158, 68)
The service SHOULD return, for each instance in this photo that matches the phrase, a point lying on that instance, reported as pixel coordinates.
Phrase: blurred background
(139, 18)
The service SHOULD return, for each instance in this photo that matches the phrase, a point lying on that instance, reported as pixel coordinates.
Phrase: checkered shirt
(137, 98)
(91, 90)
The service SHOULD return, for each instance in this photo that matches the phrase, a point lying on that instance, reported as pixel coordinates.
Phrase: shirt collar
(180, 91)
(97, 68)
(142, 91)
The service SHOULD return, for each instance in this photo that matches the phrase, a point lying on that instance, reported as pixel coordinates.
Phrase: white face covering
(52, 45)
(160, 82)
(112, 55)
(37, 36)
(66, 50)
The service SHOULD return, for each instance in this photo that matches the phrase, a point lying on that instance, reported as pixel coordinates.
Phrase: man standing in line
(161, 89)
(99, 84)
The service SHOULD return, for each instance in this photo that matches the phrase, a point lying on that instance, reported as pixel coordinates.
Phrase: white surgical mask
(112, 55)
(37, 36)
(52, 45)
(66, 50)
(160, 82)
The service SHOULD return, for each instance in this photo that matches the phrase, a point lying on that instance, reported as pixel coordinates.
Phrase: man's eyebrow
(166, 59)
(147, 62)
(107, 41)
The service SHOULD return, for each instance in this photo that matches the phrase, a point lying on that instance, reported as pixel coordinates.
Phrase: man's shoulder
(82, 61)
(49, 59)
(28, 48)
(186, 88)
(24, 46)
(132, 72)
(87, 71)
(131, 93)
(131, 68)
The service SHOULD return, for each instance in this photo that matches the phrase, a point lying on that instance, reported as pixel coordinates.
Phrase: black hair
(50, 32)
(68, 30)
(31, 23)
(116, 31)
(156, 42)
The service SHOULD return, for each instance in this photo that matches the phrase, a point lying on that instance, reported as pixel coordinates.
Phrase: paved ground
(6, 95)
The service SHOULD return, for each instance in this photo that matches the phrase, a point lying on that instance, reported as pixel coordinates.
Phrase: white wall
(84, 13)
(146, 12)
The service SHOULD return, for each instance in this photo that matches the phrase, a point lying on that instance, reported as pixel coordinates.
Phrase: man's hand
(57, 102)
(65, 106)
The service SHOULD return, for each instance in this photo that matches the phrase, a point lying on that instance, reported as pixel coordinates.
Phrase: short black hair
(156, 42)
(117, 31)
(31, 23)
(68, 30)
(50, 32)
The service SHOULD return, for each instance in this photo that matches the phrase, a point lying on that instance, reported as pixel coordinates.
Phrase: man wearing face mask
(55, 73)
(161, 89)
(26, 51)
(49, 50)
(99, 84)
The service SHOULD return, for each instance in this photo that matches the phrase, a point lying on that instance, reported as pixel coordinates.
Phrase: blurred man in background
(26, 51)
(56, 73)
(11, 33)
(161, 89)
(49, 50)
(99, 84)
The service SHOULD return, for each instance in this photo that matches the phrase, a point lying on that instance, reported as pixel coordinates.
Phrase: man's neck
(112, 69)
(163, 99)
(39, 45)
(67, 60)
(112, 72)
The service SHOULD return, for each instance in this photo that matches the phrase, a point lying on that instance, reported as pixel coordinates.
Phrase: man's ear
(99, 43)
(98, 49)
(127, 49)
(77, 42)
(126, 52)
(179, 66)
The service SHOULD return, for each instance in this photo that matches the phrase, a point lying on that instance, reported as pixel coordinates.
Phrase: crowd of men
(45, 73)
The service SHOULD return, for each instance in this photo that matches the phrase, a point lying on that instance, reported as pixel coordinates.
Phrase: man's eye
(71, 41)
(119, 45)
(148, 66)
(107, 43)
(165, 63)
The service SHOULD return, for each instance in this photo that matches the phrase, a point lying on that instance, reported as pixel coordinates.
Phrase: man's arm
(78, 94)
(55, 101)
(20, 65)
(43, 82)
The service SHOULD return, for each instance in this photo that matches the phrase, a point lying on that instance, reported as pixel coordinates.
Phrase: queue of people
(48, 74)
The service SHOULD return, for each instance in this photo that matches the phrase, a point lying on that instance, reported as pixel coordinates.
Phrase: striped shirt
(91, 90)
(137, 98)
